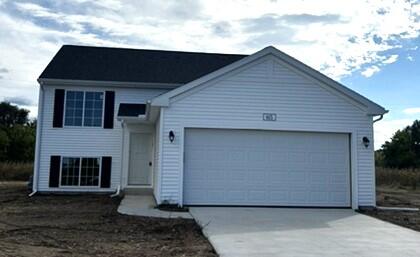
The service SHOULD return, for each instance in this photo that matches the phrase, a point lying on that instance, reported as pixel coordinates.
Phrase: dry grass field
(10, 171)
(398, 188)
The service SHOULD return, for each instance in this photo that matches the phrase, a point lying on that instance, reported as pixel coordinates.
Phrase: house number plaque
(269, 117)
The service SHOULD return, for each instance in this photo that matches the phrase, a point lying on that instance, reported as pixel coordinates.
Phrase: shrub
(16, 170)
(398, 177)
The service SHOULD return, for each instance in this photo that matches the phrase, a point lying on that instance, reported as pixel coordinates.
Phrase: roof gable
(133, 65)
(371, 107)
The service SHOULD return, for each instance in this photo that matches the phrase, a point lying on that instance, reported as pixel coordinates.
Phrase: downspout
(378, 119)
(118, 191)
(38, 140)
(148, 107)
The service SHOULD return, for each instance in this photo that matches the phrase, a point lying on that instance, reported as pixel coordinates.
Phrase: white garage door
(254, 167)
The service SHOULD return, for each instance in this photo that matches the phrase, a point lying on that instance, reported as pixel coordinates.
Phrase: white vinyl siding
(238, 101)
(85, 141)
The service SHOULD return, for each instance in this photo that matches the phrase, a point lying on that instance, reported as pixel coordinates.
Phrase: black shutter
(106, 171)
(58, 108)
(55, 170)
(109, 109)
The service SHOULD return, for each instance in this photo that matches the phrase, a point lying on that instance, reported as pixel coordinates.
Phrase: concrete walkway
(144, 205)
(237, 232)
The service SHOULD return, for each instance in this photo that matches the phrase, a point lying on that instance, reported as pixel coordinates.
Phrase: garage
(266, 168)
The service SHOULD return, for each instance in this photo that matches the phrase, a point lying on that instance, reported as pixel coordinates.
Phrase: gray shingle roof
(133, 65)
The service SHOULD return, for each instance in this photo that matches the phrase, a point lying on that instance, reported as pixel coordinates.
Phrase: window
(80, 171)
(93, 109)
(89, 175)
(83, 108)
(74, 108)
(70, 171)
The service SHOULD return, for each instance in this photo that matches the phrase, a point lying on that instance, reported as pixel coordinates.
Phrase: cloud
(410, 58)
(391, 59)
(410, 111)
(340, 39)
(368, 72)
(3, 71)
(19, 101)
(385, 129)
(222, 29)
(264, 23)
(305, 18)
(270, 22)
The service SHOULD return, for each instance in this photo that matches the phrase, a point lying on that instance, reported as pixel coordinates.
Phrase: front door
(140, 168)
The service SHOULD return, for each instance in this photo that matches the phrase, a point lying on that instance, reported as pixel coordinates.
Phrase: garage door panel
(245, 167)
(278, 196)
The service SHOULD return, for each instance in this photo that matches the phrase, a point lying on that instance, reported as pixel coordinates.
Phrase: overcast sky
(369, 46)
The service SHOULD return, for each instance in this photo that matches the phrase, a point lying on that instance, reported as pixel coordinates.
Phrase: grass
(20, 171)
(408, 178)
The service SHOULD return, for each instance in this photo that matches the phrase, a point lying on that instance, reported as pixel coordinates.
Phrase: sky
(371, 47)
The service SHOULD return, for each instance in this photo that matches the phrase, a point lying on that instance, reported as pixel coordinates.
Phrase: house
(203, 129)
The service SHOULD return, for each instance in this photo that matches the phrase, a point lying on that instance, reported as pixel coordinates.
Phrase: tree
(11, 115)
(403, 151)
(17, 134)
(22, 145)
(4, 145)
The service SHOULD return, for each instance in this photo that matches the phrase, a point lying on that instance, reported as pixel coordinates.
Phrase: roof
(371, 107)
(131, 110)
(133, 65)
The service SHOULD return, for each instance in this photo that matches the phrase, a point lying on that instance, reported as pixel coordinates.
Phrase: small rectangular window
(89, 175)
(77, 171)
(93, 109)
(74, 108)
(83, 109)
(70, 171)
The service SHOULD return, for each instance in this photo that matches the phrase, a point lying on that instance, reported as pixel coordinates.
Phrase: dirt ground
(88, 226)
(397, 197)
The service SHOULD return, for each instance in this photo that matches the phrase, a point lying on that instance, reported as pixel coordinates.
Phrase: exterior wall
(85, 141)
(238, 100)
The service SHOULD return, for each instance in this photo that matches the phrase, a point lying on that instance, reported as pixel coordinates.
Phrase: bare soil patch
(88, 225)
(397, 197)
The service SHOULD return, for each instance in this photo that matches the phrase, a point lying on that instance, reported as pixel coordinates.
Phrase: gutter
(105, 83)
(38, 141)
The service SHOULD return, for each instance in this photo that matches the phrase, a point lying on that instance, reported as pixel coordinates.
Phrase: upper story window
(83, 108)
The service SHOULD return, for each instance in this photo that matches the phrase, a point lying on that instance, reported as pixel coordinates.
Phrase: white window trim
(83, 109)
(80, 171)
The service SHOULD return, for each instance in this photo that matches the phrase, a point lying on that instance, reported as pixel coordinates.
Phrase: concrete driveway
(303, 232)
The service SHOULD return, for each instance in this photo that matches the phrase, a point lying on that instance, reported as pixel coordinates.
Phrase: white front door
(140, 168)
